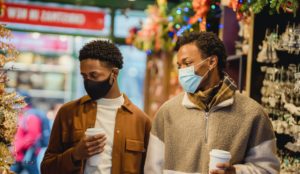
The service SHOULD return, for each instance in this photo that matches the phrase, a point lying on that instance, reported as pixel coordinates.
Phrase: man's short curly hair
(208, 44)
(104, 51)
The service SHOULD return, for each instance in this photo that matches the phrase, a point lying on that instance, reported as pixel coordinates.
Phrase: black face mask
(97, 89)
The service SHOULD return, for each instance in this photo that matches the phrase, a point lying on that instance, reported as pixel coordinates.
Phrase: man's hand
(89, 146)
(225, 168)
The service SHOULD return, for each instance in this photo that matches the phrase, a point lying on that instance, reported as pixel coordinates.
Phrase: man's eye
(83, 76)
(94, 75)
(188, 63)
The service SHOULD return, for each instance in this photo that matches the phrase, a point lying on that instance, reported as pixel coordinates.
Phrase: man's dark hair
(208, 44)
(104, 51)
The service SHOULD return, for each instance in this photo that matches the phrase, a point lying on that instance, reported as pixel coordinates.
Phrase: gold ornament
(10, 103)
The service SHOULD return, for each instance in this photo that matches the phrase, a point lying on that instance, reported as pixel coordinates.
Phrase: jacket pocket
(133, 156)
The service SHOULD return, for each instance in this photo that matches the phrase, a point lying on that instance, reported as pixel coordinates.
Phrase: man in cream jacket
(211, 114)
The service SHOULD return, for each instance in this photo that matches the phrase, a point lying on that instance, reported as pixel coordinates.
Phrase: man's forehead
(90, 66)
(182, 59)
(93, 63)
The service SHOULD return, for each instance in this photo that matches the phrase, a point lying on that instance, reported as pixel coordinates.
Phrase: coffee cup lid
(220, 153)
(94, 130)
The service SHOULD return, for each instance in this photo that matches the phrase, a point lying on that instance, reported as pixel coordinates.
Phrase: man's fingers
(223, 168)
(95, 152)
(97, 146)
(99, 136)
(102, 144)
(95, 142)
(223, 165)
(217, 172)
(96, 137)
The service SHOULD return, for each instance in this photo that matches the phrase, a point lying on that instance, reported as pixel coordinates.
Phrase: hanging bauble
(201, 8)
(289, 6)
(179, 17)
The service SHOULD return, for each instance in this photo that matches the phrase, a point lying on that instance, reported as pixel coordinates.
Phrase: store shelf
(233, 57)
(37, 67)
(45, 93)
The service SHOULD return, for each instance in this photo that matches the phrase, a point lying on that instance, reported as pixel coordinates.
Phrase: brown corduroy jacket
(131, 137)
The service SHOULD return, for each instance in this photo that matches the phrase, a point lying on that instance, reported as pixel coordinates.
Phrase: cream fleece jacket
(182, 137)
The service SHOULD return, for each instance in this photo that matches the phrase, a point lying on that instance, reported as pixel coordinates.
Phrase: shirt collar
(127, 103)
(186, 102)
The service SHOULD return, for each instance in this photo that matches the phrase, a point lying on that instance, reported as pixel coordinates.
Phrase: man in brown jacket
(124, 143)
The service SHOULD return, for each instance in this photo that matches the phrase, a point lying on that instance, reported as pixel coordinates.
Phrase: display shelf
(234, 57)
(38, 67)
(38, 93)
(258, 81)
(48, 93)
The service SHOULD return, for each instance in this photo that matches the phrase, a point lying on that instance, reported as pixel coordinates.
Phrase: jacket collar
(228, 84)
(186, 102)
(127, 103)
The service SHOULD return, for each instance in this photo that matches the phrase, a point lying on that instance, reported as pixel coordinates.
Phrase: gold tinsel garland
(10, 103)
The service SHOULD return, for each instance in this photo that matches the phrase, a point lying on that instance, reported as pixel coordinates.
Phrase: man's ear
(114, 74)
(213, 62)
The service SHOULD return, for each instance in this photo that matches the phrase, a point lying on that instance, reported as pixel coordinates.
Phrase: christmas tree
(243, 7)
(162, 27)
(10, 102)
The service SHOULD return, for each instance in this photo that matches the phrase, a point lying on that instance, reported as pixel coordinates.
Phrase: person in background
(50, 116)
(124, 144)
(210, 114)
(26, 139)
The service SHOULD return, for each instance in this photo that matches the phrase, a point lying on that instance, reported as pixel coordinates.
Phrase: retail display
(289, 41)
(42, 76)
(10, 102)
(43, 68)
(281, 100)
(242, 45)
(268, 49)
(272, 78)
(280, 92)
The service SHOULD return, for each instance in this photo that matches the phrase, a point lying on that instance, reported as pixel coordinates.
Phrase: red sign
(42, 43)
(53, 16)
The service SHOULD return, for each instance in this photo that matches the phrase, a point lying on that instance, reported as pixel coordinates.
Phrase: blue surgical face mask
(188, 78)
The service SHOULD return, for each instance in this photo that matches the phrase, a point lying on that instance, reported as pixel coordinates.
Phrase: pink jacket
(29, 131)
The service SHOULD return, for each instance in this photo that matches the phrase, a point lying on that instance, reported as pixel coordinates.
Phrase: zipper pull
(206, 126)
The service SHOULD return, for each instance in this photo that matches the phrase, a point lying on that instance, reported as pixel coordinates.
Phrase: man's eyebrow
(185, 59)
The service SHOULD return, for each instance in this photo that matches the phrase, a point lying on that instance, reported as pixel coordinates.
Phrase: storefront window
(127, 19)
(132, 76)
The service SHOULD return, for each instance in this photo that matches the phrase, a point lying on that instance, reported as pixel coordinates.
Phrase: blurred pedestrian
(27, 136)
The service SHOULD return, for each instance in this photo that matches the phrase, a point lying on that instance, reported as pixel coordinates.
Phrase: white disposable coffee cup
(218, 156)
(94, 160)
(94, 131)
